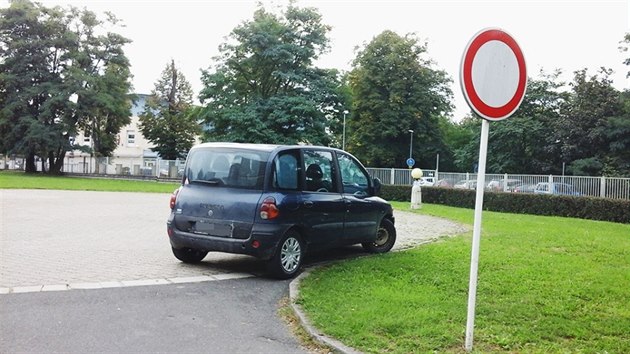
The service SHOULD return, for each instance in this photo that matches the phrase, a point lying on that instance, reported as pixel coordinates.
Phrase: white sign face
(496, 64)
(493, 75)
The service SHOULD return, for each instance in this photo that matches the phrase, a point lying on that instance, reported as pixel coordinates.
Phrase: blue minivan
(276, 202)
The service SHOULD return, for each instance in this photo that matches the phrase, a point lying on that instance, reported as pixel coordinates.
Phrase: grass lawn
(546, 284)
(20, 180)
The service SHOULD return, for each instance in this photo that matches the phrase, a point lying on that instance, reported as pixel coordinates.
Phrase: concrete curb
(336, 345)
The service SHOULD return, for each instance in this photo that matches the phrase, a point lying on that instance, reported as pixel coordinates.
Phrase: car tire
(189, 255)
(287, 260)
(385, 238)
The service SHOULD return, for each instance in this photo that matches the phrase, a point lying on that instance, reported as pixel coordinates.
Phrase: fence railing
(608, 187)
(120, 166)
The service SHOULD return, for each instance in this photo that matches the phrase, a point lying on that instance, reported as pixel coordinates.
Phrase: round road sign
(493, 75)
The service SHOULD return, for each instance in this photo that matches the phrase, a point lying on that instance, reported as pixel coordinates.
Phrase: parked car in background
(427, 181)
(503, 185)
(525, 188)
(442, 183)
(276, 202)
(466, 184)
(555, 188)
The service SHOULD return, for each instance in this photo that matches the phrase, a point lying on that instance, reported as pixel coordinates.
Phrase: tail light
(173, 198)
(268, 209)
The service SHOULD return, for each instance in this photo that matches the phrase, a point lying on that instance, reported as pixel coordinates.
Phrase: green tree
(462, 138)
(34, 106)
(338, 118)
(618, 129)
(616, 133)
(623, 47)
(527, 142)
(541, 109)
(58, 77)
(100, 76)
(585, 122)
(167, 120)
(264, 87)
(394, 90)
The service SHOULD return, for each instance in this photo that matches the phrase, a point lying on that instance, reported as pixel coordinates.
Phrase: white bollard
(416, 195)
(416, 191)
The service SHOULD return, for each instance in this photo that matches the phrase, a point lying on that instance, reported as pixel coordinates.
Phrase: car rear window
(238, 168)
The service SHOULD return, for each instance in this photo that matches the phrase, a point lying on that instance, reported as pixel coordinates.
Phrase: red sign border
(473, 99)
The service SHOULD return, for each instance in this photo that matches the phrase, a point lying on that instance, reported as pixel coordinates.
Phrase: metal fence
(128, 167)
(145, 167)
(608, 187)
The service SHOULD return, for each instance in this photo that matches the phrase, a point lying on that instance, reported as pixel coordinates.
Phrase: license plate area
(212, 229)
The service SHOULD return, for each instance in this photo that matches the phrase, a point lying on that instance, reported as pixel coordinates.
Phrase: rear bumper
(267, 236)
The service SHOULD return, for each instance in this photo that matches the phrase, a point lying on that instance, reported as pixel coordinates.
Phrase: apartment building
(132, 156)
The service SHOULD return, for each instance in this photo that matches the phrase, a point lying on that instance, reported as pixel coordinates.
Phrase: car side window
(319, 171)
(285, 170)
(353, 178)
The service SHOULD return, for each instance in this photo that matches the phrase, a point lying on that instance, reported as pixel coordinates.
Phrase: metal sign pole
(474, 259)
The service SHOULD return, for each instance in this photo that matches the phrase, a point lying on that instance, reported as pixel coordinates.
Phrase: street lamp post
(343, 144)
(410, 143)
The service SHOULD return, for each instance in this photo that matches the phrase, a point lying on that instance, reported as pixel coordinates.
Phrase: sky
(568, 35)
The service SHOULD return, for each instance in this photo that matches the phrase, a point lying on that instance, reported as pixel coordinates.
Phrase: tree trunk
(30, 163)
(97, 168)
(51, 161)
(96, 147)
(56, 162)
(58, 166)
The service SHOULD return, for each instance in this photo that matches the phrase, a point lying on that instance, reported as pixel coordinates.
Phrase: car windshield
(229, 167)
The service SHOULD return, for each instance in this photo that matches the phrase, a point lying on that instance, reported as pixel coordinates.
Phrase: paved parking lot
(81, 239)
(62, 240)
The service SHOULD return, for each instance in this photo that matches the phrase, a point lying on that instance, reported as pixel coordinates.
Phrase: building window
(131, 138)
(86, 139)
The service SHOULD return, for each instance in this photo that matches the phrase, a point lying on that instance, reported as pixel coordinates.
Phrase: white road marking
(122, 284)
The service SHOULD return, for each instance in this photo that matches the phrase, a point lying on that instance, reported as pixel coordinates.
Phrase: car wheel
(385, 238)
(189, 255)
(287, 260)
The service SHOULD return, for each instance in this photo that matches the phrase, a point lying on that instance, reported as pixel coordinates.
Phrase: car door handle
(308, 204)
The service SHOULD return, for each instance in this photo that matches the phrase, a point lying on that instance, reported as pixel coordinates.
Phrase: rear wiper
(213, 181)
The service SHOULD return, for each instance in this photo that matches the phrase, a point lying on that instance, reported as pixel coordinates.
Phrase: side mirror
(376, 186)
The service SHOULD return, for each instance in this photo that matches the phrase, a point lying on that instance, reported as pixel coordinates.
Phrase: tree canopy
(525, 142)
(168, 120)
(591, 121)
(585, 128)
(395, 90)
(264, 87)
(60, 76)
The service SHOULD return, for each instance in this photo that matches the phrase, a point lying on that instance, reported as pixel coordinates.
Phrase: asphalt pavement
(230, 316)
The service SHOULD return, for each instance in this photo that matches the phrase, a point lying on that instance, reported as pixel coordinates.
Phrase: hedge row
(615, 210)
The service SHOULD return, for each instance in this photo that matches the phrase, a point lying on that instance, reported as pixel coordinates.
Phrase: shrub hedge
(605, 209)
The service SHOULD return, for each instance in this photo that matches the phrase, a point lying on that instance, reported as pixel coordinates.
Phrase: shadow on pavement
(229, 263)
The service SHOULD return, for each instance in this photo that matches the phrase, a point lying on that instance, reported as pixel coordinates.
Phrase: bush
(605, 209)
